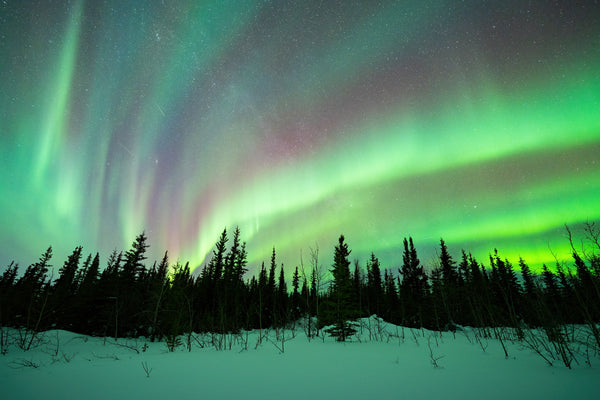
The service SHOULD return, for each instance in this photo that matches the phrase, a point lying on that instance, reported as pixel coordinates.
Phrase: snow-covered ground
(399, 365)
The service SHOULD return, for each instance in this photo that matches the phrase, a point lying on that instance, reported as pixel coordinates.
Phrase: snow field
(67, 365)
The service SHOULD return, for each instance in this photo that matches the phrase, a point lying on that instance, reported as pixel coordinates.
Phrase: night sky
(475, 121)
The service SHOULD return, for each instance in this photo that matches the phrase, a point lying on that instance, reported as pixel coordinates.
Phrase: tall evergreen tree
(131, 288)
(530, 287)
(414, 286)
(507, 290)
(282, 299)
(36, 274)
(265, 317)
(340, 311)
(440, 315)
(107, 299)
(449, 284)
(217, 262)
(8, 295)
(178, 316)
(9, 276)
(134, 259)
(391, 304)
(64, 290)
(448, 266)
(65, 285)
(90, 275)
(31, 292)
(465, 282)
(531, 303)
(81, 272)
(374, 286)
(233, 287)
(88, 304)
(271, 292)
(157, 289)
(357, 289)
(295, 302)
(588, 295)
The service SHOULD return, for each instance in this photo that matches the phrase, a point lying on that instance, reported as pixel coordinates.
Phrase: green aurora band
(298, 121)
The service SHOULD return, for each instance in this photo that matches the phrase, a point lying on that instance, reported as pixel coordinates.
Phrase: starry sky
(475, 121)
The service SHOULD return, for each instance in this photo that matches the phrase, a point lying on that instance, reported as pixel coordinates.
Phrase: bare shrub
(433, 358)
(23, 363)
(146, 368)
(172, 342)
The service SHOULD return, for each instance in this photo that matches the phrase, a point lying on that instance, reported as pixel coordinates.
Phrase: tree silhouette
(374, 286)
(164, 302)
(340, 310)
(413, 287)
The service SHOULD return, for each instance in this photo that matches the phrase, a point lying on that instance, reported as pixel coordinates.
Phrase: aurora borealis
(297, 121)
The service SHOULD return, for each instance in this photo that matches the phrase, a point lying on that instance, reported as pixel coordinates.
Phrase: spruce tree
(357, 289)
(36, 274)
(282, 299)
(131, 288)
(134, 259)
(440, 310)
(64, 290)
(9, 276)
(265, 318)
(8, 295)
(88, 306)
(178, 315)
(31, 293)
(414, 286)
(158, 285)
(217, 262)
(215, 283)
(374, 286)
(90, 275)
(295, 298)
(108, 289)
(391, 305)
(531, 302)
(271, 295)
(233, 286)
(65, 284)
(507, 291)
(465, 292)
(340, 311)
(449, 286)
(448, 266)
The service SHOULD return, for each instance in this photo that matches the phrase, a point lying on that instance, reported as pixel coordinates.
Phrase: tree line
(129, 298)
